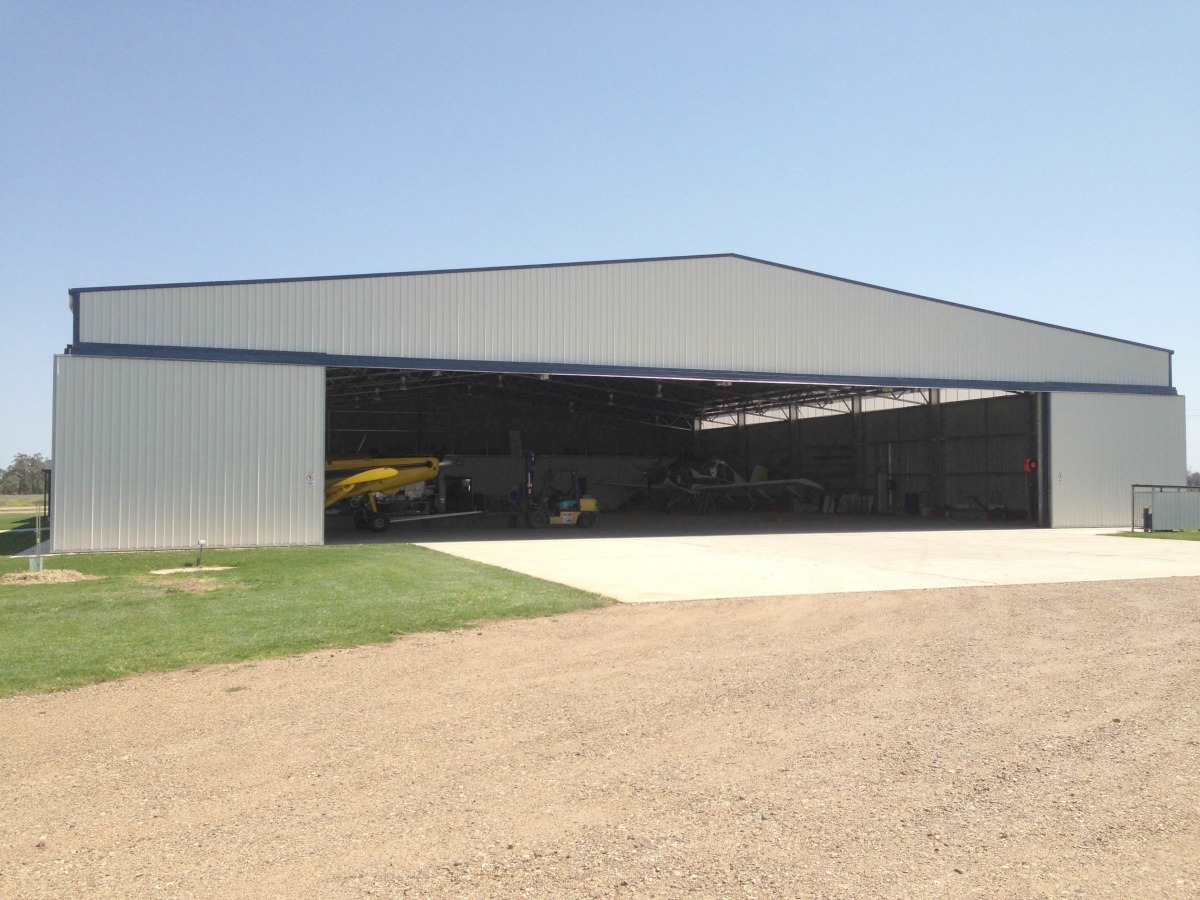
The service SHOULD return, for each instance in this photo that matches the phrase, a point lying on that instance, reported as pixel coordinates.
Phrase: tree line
(24, 476)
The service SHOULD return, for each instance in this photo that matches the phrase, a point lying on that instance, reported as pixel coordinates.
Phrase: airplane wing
(631, 485)
(758, 492)
(383, 475)
(771, 483)
(653, 476)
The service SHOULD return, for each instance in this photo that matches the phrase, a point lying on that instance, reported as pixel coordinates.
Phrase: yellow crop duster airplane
(349, 478)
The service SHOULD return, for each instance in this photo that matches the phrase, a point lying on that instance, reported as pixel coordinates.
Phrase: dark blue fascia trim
(356, 276)
(296, 358)
(611, 262)
(74, 295)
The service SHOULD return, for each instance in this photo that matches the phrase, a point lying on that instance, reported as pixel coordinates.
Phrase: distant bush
(1193, 479)
(24, 476)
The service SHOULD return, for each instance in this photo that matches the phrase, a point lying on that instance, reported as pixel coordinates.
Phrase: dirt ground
(1029, 741)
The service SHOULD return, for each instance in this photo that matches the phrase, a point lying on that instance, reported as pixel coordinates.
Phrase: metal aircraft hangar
(188, 412)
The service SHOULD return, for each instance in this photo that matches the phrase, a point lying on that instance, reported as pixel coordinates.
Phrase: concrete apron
(701, 567)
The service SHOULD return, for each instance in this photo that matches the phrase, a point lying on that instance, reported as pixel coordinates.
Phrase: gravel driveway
(1015, 741)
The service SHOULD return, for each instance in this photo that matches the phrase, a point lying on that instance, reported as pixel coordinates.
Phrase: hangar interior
(876, 450)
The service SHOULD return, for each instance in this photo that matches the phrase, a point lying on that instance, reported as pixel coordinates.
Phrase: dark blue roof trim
(611, 262)
(295, 358)
(566, 265)
(74, 316)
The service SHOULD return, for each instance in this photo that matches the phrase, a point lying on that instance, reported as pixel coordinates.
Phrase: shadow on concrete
(624, 524)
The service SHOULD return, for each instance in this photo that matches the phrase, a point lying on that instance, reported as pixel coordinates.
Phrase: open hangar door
(940, 453)
(927, 452)
(609, 430)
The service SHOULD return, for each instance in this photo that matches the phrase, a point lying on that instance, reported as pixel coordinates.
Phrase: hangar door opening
(608, 430)
(936, 453)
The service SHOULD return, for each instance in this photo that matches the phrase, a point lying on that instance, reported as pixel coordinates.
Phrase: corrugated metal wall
(727, 314)
(159, 454)
(1101, 445)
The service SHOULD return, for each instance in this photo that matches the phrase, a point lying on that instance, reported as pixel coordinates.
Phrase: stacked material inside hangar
(189, 412)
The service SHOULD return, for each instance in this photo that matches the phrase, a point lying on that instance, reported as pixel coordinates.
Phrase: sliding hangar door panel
(1101, 445)
(157, 454)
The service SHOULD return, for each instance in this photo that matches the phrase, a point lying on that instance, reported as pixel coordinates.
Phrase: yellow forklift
(551, 506)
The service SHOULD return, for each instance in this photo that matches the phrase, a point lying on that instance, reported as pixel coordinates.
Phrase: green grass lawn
(16, 520)
(1164, 535)
(273, 602)
(15, 543)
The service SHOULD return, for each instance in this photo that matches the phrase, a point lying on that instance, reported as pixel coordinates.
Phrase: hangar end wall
(1101, 445)
(708, 316)
(153, 454)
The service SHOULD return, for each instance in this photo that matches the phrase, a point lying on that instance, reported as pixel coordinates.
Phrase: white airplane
(716, 479)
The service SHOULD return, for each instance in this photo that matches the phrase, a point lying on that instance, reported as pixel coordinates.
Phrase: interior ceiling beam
(679, 402)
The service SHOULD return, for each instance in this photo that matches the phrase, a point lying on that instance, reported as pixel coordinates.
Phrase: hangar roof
(720, 318)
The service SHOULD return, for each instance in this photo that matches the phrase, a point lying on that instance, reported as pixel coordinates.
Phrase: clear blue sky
(1040, 159)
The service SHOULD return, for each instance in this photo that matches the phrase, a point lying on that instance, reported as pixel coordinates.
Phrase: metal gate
(1164, 507)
